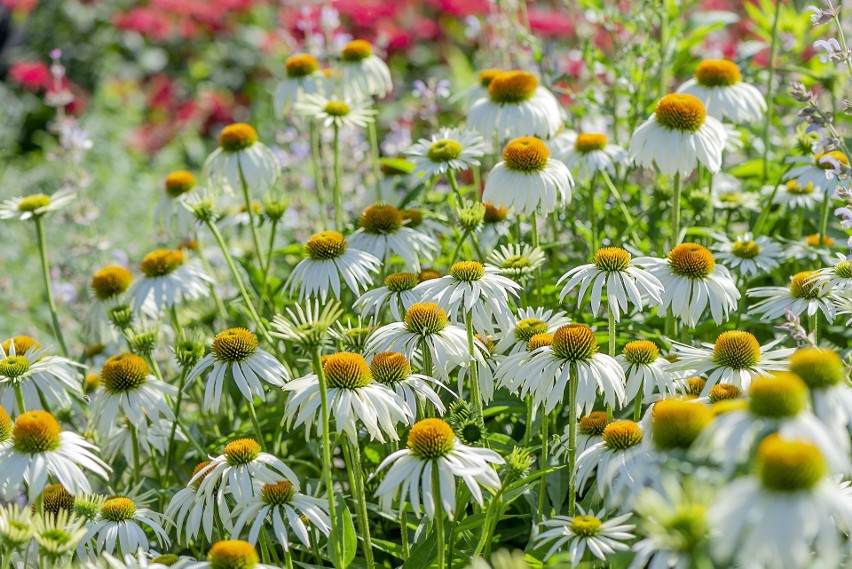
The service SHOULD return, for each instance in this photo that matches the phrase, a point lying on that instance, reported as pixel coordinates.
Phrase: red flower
(32, 75)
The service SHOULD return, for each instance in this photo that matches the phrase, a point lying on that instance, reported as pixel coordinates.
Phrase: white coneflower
(678, 136)
(241, 160)
(590, 430)
(40, 450)
(804, 296)
(147, 439)
(646, 371)
(335, 112)
(353, 397)
(610, 460)
(516, 105)
(330, 260)
(513, 372)
(613, 271)
(129, 389)
(16, 527)
(362, 73)
(749, 256)
(586, 154)
(795, 195)
(27, 207)
(280, 507)
(170, 211)
(789, 514)
(526, 323)
(590, 532)
(106, 290)
(58, 534)
(302, 77)
(394, 370)
(729, 196)
(496, 226)
(528, 179)
(819, 172)
(837, 278)
(167, 279)
(231, 554)
(191, 511)
(691, 281)
(827, 378)
(718, 84)
(432, 446)
(307, 327)
(28, 373)
(235, 354)
(383, 233)
(477, 90)
(118, 526)
(449, 149)
(397, 294)
(518, 261)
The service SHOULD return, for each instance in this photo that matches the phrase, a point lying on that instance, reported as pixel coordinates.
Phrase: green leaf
(422, 555)
(342, 543)
(399, 164)
(389, 547)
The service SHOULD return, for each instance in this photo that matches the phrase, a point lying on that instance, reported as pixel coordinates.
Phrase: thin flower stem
(841, 36)
(288, 559)
(439, 519)
(427, 358)
(374, 151)
(337, 197)
(134, 440)
(814, 327)
(593, 222)
(45, 269)
(474, 370)
(823, 218)
(178, 400)
(455, 256)
(19, 397)
(572, 439)
(250, 209)
(770, 90)
(223, 312)
(528, 401)
(315, 163)
(631, 223)
(637, 403)
(268, 265)
(357, 481)
(257, 431)
(664, 40)
(542, 485)
(454, 184)
(538, 280)
(611, 332)
(761, 219)
(492, 516)
(403, 531)
(676, 209)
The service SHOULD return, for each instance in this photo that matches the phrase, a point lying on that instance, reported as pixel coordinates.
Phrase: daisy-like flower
(28, 366)
(167, 279)
(749, 256)
(382, 233)
(353, 396)
(518, 261)
(302, 77)
(235, 470)
(495, 226)
(231, 554)
(308, 327)
(613, 271)
(794, 195)
(191, 511)
(788, 515)
(394, 370)
(819, 172)
(425, 326)
(149, 438)
(40, 450)
(548, 370)
(512, 373)
(805, 295)
(610, 460)
(449, 149)
(433, 446)
(826, 376)
(129, 389)
(691, 280)
(330, 260)
(34, 205)
(106, 289)
(516, 105)
(142, 560)
(118, 527)
(58, 534)
(335, 112)
(235, 353)
(397, 294)
(16, 526)
(646, 371)
(170, 211)
(528, 179)
(475, 289)
(728, 195)
(586, 154)
(718, 84)
(362, 73)
(735, 359)
(281, 507)
(837, 278)
(526, 323)
(589, 432)
(593, 532)
(241, 160)
(678, 136)
(479, 89)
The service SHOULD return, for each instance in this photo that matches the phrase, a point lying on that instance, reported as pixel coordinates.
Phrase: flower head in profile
(526, 323)
(646, 371)
(749, 256)
(302, 77)
(167, 279)
(308, 328)
(826, 376)
(335, 112)
(241, 164)
(35, 205)
(432, 446)
(119, 527)
(718, 84)
(106, 290)
(397, 294)
(382, 232)
(58, 534)
(591, 532)
(820, 171)
(805, 295)
(191, 511)
(588, 153)
(838, 277)
(450, 149)
(231, 554)
(610, 460)
(394, 370)
(363, 74)
(171, 212)
(794, 195)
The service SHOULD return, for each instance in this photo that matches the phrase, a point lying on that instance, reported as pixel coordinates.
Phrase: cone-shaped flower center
(167, 559)
(412, 216)
(234, 345)
(794, 187)
(528, 327)
(834, 155)
(488, 75)
(124, 372)
(428, 275)
(593, 424)
(621, 435)
(574, 343)
(347, 370)
(232, 554)
(589, 142)
(677, 423)
(198, 468)
(277, 494)
(55, 498)
(641, 352)
(179, 182)
(301, 65)
(390, 367)
(336, 109)
(736, 349)
(444, 150)
(843, 269)
(494, 214)
(612, 259)
(356, 50)
(526, 154)
(161, 262)
(745, 249)
(110, 281)
(781, 395)
(118, 509)
(425, 318)
(695, 385)
(723, 391)
(467, 271)
(237, 136)
(512, 87)
(33, 202)
(679, 111)
(91, 382)
(803, 285)
(692, 261)
(789, 466)
(35, 431)
(585, 526)
(430, 439)
(816, 241)
(717, 73)
(241, 451)
(5, 426)
(22, 344)
(819, 368)
(326, 245)
(381, 219)
(516, 262)
(400, 282)
(539, 341)
(14, 367)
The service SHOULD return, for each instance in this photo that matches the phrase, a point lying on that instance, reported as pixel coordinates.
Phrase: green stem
(45, 269)
(593, 222)
(374, 151)
(403, 531)
(268, 266)
(637, 403)
(170, 449)
(611, 332)
(542, 487)
(250, 209)
(288, 559)
(676, 210)
(19, 397)
(535, 240)
(439, 519)
(315, 163)
(761, 219)
(326, 445)
(454, 184)
(427, 359)
(223, 312)
(134, 440)
(257, 431)
(664, 28)
(572, 439)
(770, 88)
(337, 197)
(456, 251)
(631, 223)
(361, 500)
(814, 326)
(474, 370)
(823, 217)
